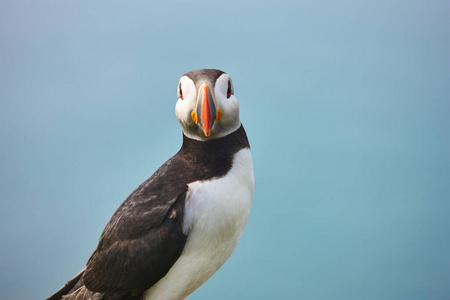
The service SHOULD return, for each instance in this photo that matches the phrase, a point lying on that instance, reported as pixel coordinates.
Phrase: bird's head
(206, 106)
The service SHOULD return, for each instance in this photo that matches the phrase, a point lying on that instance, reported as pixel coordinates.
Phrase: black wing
(144, 237)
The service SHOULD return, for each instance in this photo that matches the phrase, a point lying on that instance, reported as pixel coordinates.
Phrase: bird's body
(215, 220)
(181, 225)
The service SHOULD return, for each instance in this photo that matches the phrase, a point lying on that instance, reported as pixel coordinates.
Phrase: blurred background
(346, 105)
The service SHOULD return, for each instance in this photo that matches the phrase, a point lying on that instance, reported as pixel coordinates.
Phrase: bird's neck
(214, 149)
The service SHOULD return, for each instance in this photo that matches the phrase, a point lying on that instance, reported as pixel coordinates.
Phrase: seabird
(180, 226)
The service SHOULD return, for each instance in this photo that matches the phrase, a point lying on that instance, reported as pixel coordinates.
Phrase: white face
(225, 121)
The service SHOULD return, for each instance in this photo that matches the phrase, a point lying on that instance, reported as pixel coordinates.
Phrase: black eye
(180, 92)
(229, 90)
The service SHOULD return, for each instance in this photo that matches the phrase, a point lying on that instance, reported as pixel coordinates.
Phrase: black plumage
(205, 75)
(145, 235)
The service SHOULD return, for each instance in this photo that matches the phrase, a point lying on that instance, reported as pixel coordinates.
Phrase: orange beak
(209, 113)
(207, 107)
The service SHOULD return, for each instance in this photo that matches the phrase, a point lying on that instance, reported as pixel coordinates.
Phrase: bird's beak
(209, 111)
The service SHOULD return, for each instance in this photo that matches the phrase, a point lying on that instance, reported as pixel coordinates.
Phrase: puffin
(176, 229)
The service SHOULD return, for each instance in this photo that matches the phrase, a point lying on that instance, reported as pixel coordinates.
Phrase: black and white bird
(180, 226)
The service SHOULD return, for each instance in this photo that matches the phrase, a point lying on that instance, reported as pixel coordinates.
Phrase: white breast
(215, 216)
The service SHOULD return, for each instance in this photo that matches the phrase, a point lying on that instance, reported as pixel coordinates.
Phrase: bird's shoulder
(147, 206)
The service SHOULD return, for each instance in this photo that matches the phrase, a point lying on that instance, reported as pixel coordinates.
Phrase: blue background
(346, 105)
